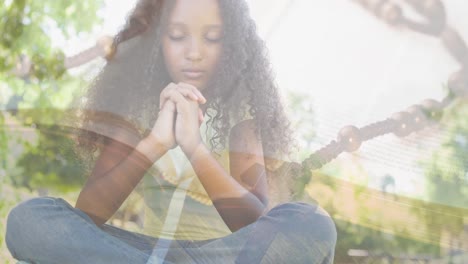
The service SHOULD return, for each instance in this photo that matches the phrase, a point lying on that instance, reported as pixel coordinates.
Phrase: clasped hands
(179, 118)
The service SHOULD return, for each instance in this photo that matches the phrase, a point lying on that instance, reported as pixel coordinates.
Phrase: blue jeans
(49, 230)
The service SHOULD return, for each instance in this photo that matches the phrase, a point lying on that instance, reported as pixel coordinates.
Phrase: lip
(193, 73)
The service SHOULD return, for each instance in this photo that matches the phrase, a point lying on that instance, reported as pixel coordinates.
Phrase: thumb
(167, 112)
(200, 117)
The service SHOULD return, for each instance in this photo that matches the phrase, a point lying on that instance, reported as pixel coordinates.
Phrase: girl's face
(192, 41)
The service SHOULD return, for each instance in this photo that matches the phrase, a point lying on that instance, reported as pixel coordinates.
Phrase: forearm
(237, 206)
(100, 198)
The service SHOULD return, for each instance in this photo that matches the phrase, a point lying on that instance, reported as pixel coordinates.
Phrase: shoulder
(115, 129)
(244, 130)
(246, 126)
(243, 137)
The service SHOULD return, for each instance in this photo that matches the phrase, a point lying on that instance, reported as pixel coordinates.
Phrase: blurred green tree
(32, 77)
(446, 177)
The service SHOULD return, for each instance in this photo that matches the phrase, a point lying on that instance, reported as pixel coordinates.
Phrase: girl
(199, 120)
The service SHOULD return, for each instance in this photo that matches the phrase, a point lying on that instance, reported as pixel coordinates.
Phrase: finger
(167, 114)
(187, 92)
(164, 96)
(181, 103)
(169, 107)
(202, 99)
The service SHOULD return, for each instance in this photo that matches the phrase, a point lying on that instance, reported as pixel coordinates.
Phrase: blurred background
(337, 63)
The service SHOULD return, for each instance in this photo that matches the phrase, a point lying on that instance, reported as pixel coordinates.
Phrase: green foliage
(9, 197)
(352, 236)
(51, 163)
(3, 142)
(446, 175)
(302, 116)
(27, 28)
(29, 32)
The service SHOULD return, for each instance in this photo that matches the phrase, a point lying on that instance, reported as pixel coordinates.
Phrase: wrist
(152, 148)
(190, 147)
(195, 151)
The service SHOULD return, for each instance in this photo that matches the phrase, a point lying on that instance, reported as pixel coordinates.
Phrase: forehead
(192, 12)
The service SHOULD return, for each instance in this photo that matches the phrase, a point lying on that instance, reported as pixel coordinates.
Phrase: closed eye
(177, 38)
(214, 40)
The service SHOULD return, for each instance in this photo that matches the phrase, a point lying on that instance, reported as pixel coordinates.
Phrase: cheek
(215, 56)
(171, 55)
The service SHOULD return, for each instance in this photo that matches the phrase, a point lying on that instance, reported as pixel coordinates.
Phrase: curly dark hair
(130, 83)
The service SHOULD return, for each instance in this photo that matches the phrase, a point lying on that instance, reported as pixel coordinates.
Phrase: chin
(200, 86)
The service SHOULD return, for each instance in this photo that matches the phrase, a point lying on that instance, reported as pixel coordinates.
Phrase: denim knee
(49, 230)
(303, 219)
(23, 222)
(294, 232)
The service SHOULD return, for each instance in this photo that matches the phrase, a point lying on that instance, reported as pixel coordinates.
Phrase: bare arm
(122, 164)
(118, 170)
(240, 196)
(125, 159)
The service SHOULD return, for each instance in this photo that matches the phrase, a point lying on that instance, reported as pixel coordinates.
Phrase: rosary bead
(431, 108)
(418, 118)
(312, 163)
(433, 9)
(391, 13)
(350, 139)
(403, 120)
(455, 45)
(371, 4)
(361, 2)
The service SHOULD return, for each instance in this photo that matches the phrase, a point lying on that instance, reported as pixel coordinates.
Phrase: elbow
(92, 209)
(240, 212)
(243, 218)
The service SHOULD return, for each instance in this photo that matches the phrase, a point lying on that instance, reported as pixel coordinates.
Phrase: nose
(194, 50)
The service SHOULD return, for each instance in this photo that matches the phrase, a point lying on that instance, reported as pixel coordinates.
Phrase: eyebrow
(185, 25)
